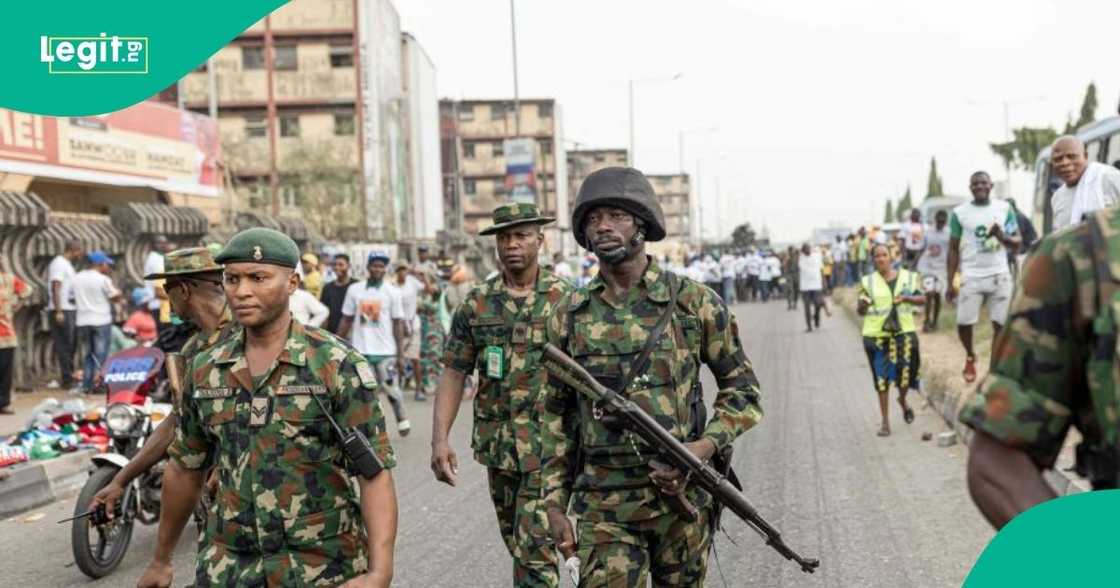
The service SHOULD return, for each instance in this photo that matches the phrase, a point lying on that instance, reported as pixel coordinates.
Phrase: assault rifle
(671, 450)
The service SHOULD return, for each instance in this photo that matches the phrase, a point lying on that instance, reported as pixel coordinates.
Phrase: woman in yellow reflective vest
(887, 297)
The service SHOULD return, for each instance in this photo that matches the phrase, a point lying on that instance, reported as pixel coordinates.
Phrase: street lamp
(673, 78)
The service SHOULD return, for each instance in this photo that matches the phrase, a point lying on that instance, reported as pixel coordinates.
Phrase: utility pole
(212, 80)
(516, 93)
(700, 208)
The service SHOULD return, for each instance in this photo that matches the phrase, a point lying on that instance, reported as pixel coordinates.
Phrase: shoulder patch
(365, 374)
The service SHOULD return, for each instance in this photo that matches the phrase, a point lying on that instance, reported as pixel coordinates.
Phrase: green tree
(902, 211)
(888, 216)
(933, 187)
(1023, 150)
(1027, 142)
(743, 236)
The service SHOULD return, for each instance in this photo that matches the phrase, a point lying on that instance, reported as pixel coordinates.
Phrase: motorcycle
(132, 379)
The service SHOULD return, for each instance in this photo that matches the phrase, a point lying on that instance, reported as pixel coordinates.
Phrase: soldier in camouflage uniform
(256, 407)
(194, 287)
(1054, 367)
(499, 329)
(626, 529)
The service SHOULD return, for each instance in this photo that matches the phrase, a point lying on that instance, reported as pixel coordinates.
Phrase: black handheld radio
(363, 461)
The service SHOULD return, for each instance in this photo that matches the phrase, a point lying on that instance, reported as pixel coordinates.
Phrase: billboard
(147, 145)
(521, 179)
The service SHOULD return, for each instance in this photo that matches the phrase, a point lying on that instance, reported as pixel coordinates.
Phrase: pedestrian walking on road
(62, 311)
(291, 509)
(334, 292)
(811, 281)
(94, 297)
(886, 300)
(933, 264)
(500, 331)
(789, 276)
(626, 530)
(1054, 369)
(431, 307)
(13, 293)
(373, 322)
(980, 233)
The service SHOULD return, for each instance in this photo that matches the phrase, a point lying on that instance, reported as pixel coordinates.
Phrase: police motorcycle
(132, 379)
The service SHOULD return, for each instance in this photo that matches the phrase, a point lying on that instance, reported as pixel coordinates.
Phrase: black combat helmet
(620, 187)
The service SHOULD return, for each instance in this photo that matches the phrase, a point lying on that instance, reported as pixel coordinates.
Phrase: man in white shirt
(1088, 186)
(373, 322)
(61, 309)
(980, 234)
(410, 288)
(810, 279)
(727, 274)
(94, 296)
(306, 308)
(773, 274)
(754, 271)
(839, 262)
(933, 264)
(153, 264)
(913, 239)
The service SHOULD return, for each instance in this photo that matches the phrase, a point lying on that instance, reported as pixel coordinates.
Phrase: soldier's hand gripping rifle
(671, 450)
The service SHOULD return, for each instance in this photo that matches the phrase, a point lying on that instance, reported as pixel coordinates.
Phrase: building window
(342, 56)
(600, 158)
(289, 196)
(544, 110)
(289, 125)
(500, 187)
(466, 114)
(497, 111)
(498, 150)
(468, 150)
(286, 58)
(546, 148)
(255, 126)
(252, 57)
(344, 124)
(468, 187)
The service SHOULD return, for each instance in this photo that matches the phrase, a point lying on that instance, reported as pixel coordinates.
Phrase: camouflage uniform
(285, 513)
(1055, 365)
(625, 530)
(507, 409)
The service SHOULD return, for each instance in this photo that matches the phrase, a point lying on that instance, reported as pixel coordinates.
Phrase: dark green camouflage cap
(260, 245)
(181, 262)
(516, 213)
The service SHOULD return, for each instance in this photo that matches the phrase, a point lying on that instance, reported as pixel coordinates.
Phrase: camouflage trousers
(524, 526)
(672, 551)
(329, 562)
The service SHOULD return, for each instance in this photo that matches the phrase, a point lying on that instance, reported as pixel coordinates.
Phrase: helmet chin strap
(628, 250)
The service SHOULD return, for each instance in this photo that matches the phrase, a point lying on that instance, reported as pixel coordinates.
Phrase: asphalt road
(877, 512)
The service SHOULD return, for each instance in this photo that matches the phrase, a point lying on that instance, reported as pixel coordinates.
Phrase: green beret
(260, 245)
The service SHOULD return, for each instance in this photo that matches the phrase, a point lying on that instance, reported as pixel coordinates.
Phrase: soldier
(194, 287)
(258, 406)
(500, 329)
(1054, 366)
(626, 528)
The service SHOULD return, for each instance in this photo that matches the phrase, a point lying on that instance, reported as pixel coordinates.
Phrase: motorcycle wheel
(98, 550)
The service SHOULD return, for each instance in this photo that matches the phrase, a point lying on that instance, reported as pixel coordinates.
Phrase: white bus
(1102, 142)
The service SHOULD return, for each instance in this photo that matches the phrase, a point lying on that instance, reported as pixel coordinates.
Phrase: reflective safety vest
(882, 300)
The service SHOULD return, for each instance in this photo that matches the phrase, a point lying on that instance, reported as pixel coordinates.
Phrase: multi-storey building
(673, 191)
(584, 162)
(311, 107)
(474, 166)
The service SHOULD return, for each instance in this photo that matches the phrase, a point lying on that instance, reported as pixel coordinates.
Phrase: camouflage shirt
(200, 340)
(605, 338)
(1055, 364)
(285, 510)
(507, 409)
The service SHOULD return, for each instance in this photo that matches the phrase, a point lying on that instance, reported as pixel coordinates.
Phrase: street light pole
(516, 93)
(633, 154)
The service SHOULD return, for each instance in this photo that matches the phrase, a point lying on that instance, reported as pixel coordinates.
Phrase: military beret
(260, 245)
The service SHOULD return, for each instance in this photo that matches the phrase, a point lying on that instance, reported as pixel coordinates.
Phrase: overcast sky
(824, 109)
